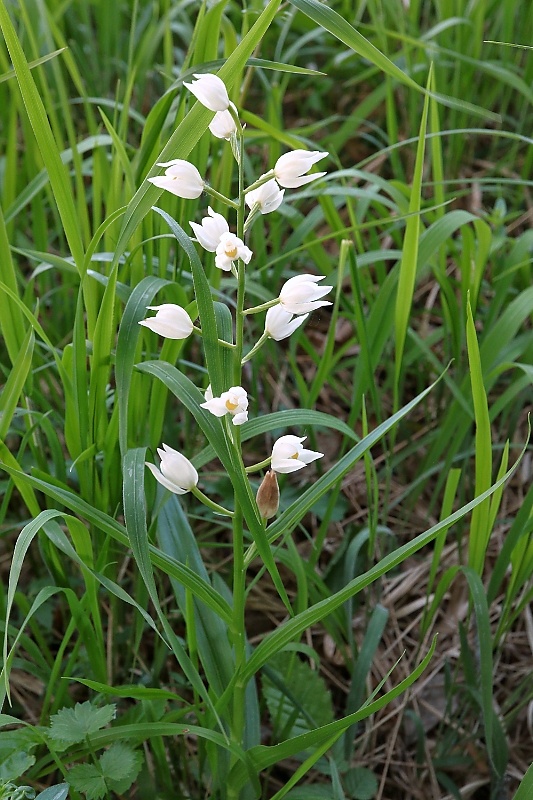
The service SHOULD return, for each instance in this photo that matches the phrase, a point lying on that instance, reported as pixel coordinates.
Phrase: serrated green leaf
(361, 783)
(120, 762)
(75, 724)
(296, 695)
(264, 756)
(88, 779)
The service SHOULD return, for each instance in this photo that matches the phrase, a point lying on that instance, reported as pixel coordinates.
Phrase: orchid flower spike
(176, 472)
(181, 178)
(288, 455)
(210, 91)
(268, 197)
(300, 295)
(279, 324)
(229, 248)
(171, 321)
(234, 402)
(290, 168)
(223, 124)
(210, 230)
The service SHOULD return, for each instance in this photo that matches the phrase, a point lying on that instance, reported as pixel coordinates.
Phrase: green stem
(262, 307)
(253, 214)
(238, 715)
(260, 181)
(222, 197)
(241, 274)
(260, 465)
(257, 346)
(239, 571)
(203, 498)
(221, 342)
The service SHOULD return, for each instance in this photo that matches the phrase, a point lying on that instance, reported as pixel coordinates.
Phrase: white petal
(301, 294)
(287, 446)
(290, 167)
(216, 406)
(304, 308)
(268, 196)
(279, 323)
(290, 440)
(239, 419)
(306, 278)
(177, 468)
(164, 481)
(307, 456)
(223, 125)
(295, 183)
(286, 465)
(210, 231)
(181, 188)
(288, 455)
(210, 91)
(223, 262)
(245, 254)
(171, 321)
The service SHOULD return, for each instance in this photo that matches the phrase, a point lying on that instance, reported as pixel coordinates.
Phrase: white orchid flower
(279, 324)
(229, 248)
(268, 197)
(288, 455)
(290, 168)
(210, 91)
(210, 230)
(181, 178)
(176, 472)
(234, 402)
(223, 125)
(171, 321)
(300, 295)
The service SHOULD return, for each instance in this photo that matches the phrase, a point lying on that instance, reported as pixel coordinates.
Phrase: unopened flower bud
(268, 495)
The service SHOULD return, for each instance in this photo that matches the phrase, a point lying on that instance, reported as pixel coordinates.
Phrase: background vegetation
(423, 225)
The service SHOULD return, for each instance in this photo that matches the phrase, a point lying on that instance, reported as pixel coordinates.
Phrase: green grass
(226, 660)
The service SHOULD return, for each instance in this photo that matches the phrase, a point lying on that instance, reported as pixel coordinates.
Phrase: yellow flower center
(295, 455)
(231, 252)
(231, 406)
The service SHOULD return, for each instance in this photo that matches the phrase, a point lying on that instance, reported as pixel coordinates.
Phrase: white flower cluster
(299, 296)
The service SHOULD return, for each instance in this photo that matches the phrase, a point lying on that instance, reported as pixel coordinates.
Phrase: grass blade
(45, 139)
